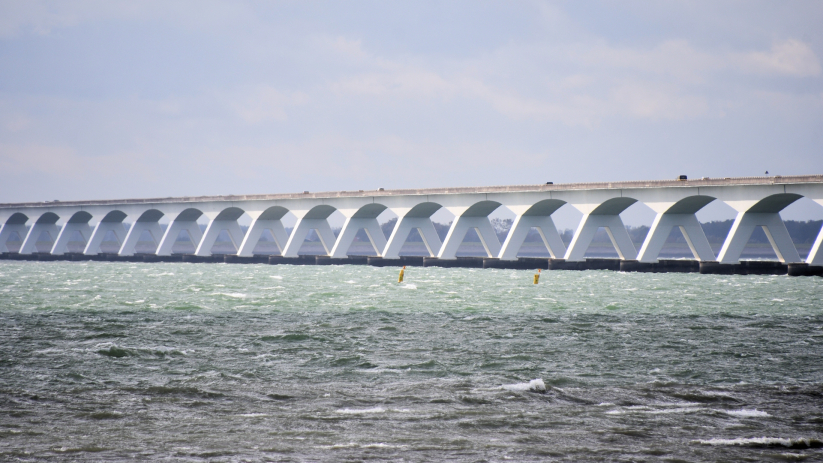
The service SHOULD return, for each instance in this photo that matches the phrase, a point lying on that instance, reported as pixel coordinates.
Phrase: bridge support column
(662, 227)
(458, 230)
(815, 256)
(62, 241)
(6, 232)
(213, 230)
(256, 230)
(35, 231)
(173, 230)
(99, 234)
(133, 236)
(349, 231)
(301, 229)
(744, 225)
(401, 232)
(588, 227)
(520, 229)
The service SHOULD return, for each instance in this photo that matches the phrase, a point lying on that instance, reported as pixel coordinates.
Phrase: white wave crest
(360, 411)
(770, 441)
(535, 385)
(748, 413)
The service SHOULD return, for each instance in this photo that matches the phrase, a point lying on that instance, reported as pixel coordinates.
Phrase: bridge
(756, 200)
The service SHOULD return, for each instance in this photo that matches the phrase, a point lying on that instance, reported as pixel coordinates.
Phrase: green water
(190, 362)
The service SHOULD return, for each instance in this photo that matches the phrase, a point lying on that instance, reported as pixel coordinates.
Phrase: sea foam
(535, 385)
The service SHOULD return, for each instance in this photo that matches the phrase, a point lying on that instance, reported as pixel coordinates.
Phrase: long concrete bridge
(757, 201)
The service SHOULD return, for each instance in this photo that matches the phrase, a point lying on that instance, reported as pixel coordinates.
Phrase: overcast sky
(108, 99)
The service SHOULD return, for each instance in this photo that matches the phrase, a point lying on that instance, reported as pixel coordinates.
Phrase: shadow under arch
(18, 218)
(151, 215)
(774, 203)
(273, 213)
(49, 218)
(481, 209)
(423, 210)
(369, 211)
(188, 215)
(80, 217)
(544, 207)
(115, 216)
(690, 205)
(230, 213)
(613, 206)
(322, 211)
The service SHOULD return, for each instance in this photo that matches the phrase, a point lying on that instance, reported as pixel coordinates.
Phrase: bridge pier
(256, 230)
(133, 236)
(458, 230)
(660, 230)
(7, 230)
(301, 230)
(401, 232)
(742, 229)
(99, 234)
(173, 231)
(588, 227)
(520, 230)
(213, 230)
(61, 243)
(349, 231)
(46, 223)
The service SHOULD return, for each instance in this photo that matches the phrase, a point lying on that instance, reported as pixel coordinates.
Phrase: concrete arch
(364, 218)
(225, 220)
(475, 217)
(544, 208)
(15, 224)
(115, 216)
(537, 216)
(423, 210)
(481, 209)
(321, 212)
(690, 205)
(111, 222)
(613, 206)
(764, 213)
(273, 213)
(774, 203)
(78, 222)
(47, 222)
(270, 219)
(230, 213)
(80, 217)
(147, 221)
(18, 218)
(606, 215)
(188, 215)
(48, 218)
(369, 211)
(151, 215)
(681, 214)
(185, 220)
(314, 219)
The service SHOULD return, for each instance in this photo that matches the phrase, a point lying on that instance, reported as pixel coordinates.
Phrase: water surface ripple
(188, 362)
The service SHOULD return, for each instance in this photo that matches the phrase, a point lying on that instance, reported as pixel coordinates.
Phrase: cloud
(789, 57)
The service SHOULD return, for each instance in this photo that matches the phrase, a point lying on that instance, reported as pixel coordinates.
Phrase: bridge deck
(703, 182)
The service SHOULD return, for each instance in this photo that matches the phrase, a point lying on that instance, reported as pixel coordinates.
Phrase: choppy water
(113, 361)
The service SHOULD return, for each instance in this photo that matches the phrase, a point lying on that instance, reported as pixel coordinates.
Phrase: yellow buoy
(402, 271)
(537, 276)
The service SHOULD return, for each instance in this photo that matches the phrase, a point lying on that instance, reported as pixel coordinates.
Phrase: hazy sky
(108, 99)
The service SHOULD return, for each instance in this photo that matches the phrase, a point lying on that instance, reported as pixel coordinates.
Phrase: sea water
(214, 362)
